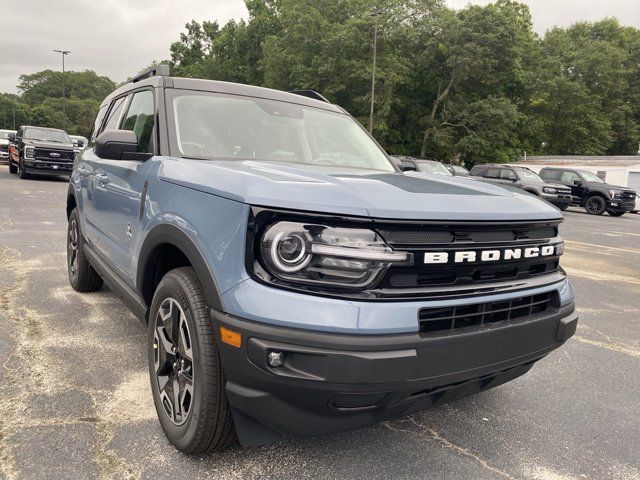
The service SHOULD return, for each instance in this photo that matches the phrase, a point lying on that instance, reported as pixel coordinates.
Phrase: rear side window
(140, 119)
(551, 174)
(476, 170)
(492, 173)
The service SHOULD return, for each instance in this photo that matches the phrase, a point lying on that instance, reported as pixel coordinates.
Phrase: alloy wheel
(593, 206)
(173, 361)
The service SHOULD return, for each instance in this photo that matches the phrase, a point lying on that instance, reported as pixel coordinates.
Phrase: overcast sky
(118, 37)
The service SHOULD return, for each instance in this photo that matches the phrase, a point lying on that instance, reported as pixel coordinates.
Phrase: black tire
(12, 168)
(563, 207)
(21, 172)
(616, 213)
(82, 276)
(203, 423)
(595, 205)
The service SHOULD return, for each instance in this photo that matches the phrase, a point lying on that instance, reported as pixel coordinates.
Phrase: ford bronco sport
(292, 279)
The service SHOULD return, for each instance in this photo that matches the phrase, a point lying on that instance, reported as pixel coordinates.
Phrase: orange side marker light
(229, 336)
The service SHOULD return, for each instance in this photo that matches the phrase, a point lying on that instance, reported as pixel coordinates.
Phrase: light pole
(64, 113)
(375, 14)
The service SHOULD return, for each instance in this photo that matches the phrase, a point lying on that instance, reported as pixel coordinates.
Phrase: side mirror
(11, 137)
(119, 145)
(577, 183)
(80, 143)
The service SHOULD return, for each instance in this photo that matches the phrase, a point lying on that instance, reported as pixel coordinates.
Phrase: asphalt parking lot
(75, 400)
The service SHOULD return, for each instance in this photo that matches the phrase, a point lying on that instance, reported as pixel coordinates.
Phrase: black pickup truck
(39, 150)
(591, 192)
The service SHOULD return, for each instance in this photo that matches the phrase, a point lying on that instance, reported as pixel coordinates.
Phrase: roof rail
(161, 70)
(310, 94)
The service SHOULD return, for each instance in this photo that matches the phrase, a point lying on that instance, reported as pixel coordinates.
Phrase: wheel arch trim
(172, 235)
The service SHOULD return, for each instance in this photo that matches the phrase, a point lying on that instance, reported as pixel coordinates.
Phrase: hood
(605, 186)
(556, 185)
(44, 144)
(357, 192)
(4, 141)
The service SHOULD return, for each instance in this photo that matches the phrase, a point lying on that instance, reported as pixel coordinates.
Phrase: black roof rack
(310, 94)
(161, 70)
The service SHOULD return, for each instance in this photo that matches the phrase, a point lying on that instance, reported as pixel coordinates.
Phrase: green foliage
(474, 85)
(41, 100)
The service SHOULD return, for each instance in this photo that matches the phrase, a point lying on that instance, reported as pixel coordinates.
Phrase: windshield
(529, 175)
(435, 168)
(45, 135)
(217, 126)
(590, 177)
(4, 135)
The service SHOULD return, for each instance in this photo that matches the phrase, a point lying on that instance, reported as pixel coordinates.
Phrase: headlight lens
(549, 190)
(326, 256)
(615, 193)
(29, 152)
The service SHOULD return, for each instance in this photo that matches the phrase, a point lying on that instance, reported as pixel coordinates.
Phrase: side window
(508, 175)
(569, 177)
(140, 119)
(479, 171)
(551, 175)
(114, 114)
(492, 173)
(96, 125)
(19, 133)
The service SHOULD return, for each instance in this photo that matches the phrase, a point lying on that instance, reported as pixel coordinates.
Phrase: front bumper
(47, 168)
(621, 205)
(332, 382)
(558, 200)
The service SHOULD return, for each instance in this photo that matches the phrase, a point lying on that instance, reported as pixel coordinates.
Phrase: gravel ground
(75, 400)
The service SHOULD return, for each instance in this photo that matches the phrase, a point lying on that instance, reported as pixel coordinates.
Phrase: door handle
(103, 178)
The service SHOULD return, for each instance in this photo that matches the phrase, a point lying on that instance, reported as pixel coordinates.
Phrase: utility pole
(64, 113)
(375, 14)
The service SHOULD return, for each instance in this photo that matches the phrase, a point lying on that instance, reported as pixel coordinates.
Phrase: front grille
(476, 237)
(45, 155)
(628, 195)
(447, 319)
(423, 237)
(4, 148)
(429, 276)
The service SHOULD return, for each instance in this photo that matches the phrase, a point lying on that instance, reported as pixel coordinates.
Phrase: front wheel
(21, 171)
(187, 380)
(563, 207)
(595, 205)
(616, 213)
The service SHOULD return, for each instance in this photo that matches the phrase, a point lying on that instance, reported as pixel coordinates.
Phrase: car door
(492, 175)
(509, 177)
(89, 167)
(569, 179)
(120, 184)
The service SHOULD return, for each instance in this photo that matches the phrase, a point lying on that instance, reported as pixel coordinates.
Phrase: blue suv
(293, 280)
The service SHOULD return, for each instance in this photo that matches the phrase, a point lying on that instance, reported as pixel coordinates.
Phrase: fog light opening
(275, 359)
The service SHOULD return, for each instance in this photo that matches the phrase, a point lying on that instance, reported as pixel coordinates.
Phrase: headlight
(29, 152)
(549, 190)
(615, 193)
(320, 255)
